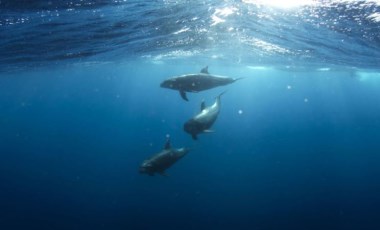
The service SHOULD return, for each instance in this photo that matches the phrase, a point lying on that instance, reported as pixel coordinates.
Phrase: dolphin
(196, 82)
(161, 161)
(202, 122)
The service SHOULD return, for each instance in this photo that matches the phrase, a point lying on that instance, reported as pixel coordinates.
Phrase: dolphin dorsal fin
(205, 70)
(203, 105)
(167, 144)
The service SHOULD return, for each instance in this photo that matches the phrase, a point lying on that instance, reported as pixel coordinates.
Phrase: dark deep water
(296, 144)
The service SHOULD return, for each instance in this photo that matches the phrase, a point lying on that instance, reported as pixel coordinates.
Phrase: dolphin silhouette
(202, 122)
(196, 82)
(163, 160)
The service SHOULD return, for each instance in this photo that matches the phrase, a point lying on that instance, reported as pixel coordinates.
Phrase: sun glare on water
(285, 4)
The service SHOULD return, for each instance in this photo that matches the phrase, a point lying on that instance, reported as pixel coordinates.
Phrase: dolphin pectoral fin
(205, 70)
(194, 137)
(208, 131)
(183, 95)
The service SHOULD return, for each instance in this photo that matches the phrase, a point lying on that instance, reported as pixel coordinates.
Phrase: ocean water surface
(296, 144)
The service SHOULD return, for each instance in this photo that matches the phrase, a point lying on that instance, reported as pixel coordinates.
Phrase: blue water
(296, 144)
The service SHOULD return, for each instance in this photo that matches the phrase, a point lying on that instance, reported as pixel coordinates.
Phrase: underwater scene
(163, 114)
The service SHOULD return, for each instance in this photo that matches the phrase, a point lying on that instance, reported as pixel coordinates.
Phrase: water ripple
(334, 32)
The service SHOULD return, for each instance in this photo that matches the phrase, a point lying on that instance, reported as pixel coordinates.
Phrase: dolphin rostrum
(161, 161)
(202, 122)
(196, 82)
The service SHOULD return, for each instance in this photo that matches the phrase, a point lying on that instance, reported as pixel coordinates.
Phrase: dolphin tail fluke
(239, 78)
(221, 94)
(218, 97)
(183, 95)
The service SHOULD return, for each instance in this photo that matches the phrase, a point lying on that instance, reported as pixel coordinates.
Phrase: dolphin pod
(200, 123)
